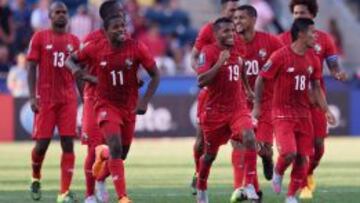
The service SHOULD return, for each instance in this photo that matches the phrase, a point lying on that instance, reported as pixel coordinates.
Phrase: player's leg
(42, 132)
(264, 136)
(66, 122)
(286, 144)
(89, 179)
(198, 150)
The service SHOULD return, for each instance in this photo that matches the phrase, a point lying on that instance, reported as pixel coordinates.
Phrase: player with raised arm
(259, 46)
(292, 68)
(327, 52)
(119, 58)
(53, 98)
(205, 37)
(226, 115)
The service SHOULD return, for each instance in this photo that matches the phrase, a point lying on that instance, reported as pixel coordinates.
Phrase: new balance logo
(103, 63)
(49, 47)
(290, 70)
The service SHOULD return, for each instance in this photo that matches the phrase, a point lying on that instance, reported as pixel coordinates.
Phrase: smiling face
(243, 21)
(225, 34)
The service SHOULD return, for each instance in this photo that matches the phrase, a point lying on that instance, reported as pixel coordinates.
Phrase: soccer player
(205, 37)
(292, 68)
(259, 46)
(53, 98)
(91, 135)
(119, 58)
(226, 115)
(326, 50)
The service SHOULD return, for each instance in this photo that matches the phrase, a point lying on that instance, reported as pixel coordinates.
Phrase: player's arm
(150, 91)
(259, 88)
(73, 64)
(32, 66)
(332, 60)
(205, 78)
(194, 58)
(321, 100)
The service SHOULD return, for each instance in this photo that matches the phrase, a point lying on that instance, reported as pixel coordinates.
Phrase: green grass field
(159, 171)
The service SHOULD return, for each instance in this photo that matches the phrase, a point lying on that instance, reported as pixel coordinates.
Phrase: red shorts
(294, 136)
(319, 122)
(115, 120)
(219, 127)
(51, 115)
(265, 130)
(202, 98)
(91, 134)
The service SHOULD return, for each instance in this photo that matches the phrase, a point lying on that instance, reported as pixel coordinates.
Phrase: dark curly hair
(312, 5)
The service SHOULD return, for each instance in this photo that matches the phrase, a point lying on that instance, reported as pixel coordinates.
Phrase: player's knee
(290, 157)
(265, 150)
(319, 143)
(209, 158)
(67, 144)
(300, 159)
(115, 146)
(41, 146)
(249, 139)
(125, 152)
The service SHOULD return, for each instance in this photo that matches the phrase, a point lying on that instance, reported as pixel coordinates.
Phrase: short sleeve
(204, 37)
(272, 66)
(330, 49)
(83, 54)
(276, 43)
(205, 61)
(145, 57)
(34, 48)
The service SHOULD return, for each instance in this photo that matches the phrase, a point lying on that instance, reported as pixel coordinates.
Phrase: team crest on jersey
(310, 70)
(129, 63)
(70, 48)
(317, 48)
(201, 60)
(262, 53)
(267, 66)
(48, 46)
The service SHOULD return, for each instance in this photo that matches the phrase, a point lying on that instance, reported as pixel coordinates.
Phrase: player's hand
(141, 108)
(90, 78)
(341, 76)
(34, 105)
(224, 55)
(330, 118)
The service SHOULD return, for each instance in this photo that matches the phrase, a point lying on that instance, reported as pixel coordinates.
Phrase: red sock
(237, 159)
(89, 178)
(36, 164)
(256, 182)
(197, 155)
(105, 172)
(116, 167)
(297, 177)
(281, 165)
(315, 159)
(250, 166)
(67, 170)
(204, 171)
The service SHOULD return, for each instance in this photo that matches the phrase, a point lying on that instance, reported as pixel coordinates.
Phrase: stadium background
(169, 27)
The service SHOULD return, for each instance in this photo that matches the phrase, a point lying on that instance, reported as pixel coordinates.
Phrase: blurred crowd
(161, 24)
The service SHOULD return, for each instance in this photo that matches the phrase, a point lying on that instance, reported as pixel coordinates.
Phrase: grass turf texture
(160, 170)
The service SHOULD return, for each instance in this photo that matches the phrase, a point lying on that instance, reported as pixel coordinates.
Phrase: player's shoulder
(95, 35)
(206, 28)
(268, 37)
(323, 36)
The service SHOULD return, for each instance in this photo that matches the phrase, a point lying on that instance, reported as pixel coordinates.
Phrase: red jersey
(226, 91)
(117, 70)
(49, 49)
(205, 37)
(258, 50)
(291, 74)
(96, 36)
(324, 48)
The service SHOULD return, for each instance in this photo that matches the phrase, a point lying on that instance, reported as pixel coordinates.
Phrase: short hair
(251, 10)
(220, 21)
(108, 20)
(109, 8)
(222, 2)
(312, 5)
(300, 25)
